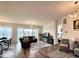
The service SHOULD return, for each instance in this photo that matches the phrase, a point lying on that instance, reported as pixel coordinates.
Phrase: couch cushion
(64, 45)
(65, 41)
(26, 39)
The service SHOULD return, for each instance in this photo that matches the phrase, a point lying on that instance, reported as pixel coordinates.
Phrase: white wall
(71, 33)
(51, 28)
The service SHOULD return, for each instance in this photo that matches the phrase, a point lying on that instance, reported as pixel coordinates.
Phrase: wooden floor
(15, 51)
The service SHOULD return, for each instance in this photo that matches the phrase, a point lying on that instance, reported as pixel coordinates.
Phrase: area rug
(60, 54)
(39, 45)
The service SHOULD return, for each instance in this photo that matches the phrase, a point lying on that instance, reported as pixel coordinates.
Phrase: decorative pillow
(26, 39)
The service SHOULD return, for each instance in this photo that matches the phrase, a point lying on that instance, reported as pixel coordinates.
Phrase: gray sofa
(26, 41)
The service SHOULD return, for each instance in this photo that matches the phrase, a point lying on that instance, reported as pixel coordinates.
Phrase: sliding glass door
(26, 32)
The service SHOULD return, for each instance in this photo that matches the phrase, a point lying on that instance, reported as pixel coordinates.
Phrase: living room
(36, 29)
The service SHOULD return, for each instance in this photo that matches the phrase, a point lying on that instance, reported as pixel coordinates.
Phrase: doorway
(59, 32)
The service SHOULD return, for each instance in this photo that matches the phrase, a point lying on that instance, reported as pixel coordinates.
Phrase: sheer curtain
(5, 32)
(26, 32)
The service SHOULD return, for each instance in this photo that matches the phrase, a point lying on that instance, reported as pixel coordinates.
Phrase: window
(5, 32)
(20, 32)
(1, 32)
(35, 32)
(27, 32)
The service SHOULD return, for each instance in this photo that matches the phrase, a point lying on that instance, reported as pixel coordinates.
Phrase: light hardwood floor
(15, 51)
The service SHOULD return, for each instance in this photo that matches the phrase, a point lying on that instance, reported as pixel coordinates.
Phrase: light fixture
(76, 9)
(76, 2)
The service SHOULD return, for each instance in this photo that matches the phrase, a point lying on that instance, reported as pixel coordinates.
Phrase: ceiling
(34, 12)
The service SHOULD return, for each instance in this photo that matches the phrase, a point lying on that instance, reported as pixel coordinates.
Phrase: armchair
(76, 48)
(64, 45)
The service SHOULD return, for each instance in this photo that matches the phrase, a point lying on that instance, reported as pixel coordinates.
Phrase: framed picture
(76, 24)
(64, 21)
